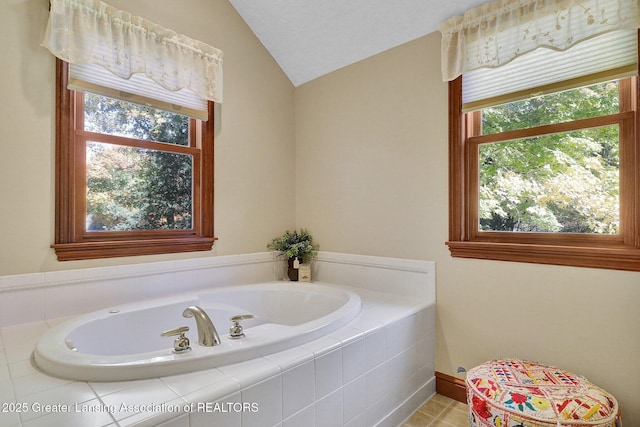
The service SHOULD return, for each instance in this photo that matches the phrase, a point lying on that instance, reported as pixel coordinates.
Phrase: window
(130, 179)
(547, 179)
(544, 164)
(561, 172)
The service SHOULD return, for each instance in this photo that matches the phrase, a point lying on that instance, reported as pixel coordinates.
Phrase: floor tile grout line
(437, 419)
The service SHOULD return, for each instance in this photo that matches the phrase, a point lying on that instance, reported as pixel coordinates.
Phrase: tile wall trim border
(401, 264)
(21, 282)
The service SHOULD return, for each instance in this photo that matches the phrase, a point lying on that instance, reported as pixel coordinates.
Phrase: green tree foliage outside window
(131, 188)
(564, 182)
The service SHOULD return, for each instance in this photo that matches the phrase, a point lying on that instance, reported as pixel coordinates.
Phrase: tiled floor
(440, 411)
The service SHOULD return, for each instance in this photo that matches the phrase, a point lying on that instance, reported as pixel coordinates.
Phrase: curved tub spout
(207, 334)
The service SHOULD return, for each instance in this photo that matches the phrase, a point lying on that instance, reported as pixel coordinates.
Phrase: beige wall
(254, 198)
(371, 179)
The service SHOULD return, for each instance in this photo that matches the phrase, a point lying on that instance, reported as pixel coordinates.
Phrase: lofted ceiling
(310, 38)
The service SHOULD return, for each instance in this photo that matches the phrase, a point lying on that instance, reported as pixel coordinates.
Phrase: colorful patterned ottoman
(518, 393)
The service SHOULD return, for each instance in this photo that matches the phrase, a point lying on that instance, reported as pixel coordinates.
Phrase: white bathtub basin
(124, 343)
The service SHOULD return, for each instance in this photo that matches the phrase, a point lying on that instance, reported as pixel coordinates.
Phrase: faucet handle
(181, 344)
(175, 331)
(236, 330)
(240, 317)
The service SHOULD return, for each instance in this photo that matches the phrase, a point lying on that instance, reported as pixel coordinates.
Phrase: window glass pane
(565, 182)
(137, 189)
(115, 117)
(581, 103)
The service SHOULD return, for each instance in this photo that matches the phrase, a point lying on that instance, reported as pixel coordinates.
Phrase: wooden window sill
(618, 258)
(115, 248)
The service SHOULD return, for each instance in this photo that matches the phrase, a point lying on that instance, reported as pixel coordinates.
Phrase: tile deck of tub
(346, 378)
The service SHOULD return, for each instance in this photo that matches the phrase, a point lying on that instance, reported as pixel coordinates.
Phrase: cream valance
(92, 32)
(498, 32)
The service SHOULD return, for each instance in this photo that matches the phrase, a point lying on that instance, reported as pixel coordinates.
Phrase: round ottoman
(518, 393)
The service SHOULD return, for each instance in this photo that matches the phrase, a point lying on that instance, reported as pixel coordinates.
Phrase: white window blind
(605, 57)
(116, 54)
(139, 89)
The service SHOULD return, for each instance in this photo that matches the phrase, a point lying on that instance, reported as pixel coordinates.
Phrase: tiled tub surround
(33, 297)
(376, 370)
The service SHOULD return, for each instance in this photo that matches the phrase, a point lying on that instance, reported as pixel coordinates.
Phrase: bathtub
(125, 343)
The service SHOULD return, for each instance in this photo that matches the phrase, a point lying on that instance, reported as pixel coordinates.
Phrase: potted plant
(297, 247)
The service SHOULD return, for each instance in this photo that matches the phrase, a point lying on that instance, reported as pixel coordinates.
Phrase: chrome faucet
(207, 334)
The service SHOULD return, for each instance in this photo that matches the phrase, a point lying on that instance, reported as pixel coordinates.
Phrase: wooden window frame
(619, 252)
(72, 241)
